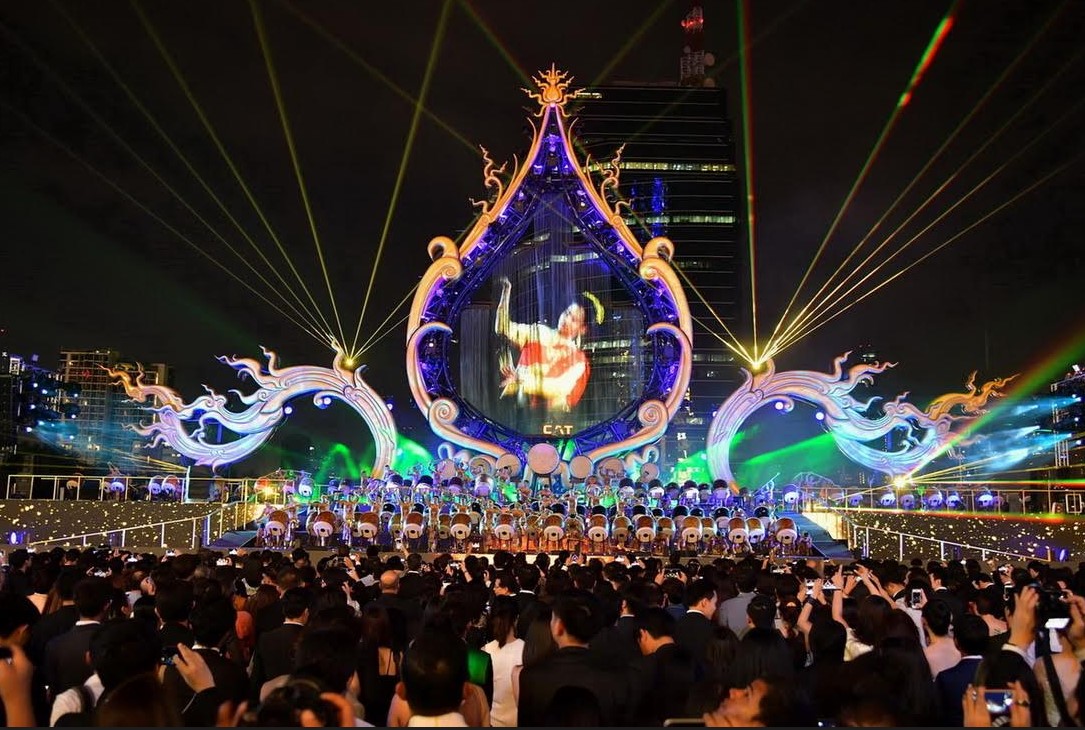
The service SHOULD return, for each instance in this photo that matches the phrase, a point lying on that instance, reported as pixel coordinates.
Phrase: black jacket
(574, 667)
(66, 664)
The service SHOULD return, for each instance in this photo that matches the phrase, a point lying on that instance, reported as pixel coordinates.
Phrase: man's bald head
(389, 581)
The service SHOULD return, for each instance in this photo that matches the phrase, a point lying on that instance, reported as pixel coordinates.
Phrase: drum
(552, 528)
(505, 529)
(691, 530)
(791, 495)
(755, 530)
(276, 526)
(580, 467)
(737, 532)
(509, 463)
(934, 499)
(366, 525)
(461, 526)
(620, 529)
(786, 534)
(323, 525)
(444, 526)
(665, 527)
(649, 471)
(708, 527)
(543, 458)
(888, 499)
(645, 528)
(412, 527)
(907, 501)
(305, 488)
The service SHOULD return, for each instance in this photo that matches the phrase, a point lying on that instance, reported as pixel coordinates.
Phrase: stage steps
(824, 543)
(234, 539)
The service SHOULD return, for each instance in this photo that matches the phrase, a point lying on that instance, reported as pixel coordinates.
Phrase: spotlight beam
(377, 329)
(319, 336)
(427, 77)
(747, 149)
(378, 74)
(739, 350)
(937, 154)
(737, 346)
(661, 6)
(373, 341)
(277, 92)
(175, 70)
(860, 178)
(802, 332)
(819, 308)
(982, 219)
(303, 313)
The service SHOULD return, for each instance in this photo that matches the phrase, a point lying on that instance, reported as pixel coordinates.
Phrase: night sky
(84, 267)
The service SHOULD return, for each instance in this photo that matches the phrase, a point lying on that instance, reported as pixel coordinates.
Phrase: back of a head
(538, 640)
(785, 703)
(123, 648)
(434, 672)
(288, 578)
(762, 611)
(174, 601)
(938, 616)
(93, 596)
(972, 634)
(212, 620)
(899, 630)
(658, 622)
(699, 590)
(573, 706)
(138, 701)
(328, 655)
(504, 611)
(828, 638)
(16, 611)
(580, 613)
(761, 653)
(296, 602)
(528, 577)
(745, 579)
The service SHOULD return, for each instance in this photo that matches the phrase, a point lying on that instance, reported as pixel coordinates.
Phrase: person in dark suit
(52, 625)
(413, 586)
(973, 640)
(617, 644)
(576, 619)
(211, 622)
(65, 665)
(527, 576)
(274, 655)
(173, 603)
(694, 629)
(668, 670)
(405, 615)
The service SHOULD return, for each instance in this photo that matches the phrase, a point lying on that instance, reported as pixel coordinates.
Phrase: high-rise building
(87, 368)
(678, 175)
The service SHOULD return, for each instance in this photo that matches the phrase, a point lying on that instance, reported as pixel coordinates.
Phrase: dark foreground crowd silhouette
(101, 637)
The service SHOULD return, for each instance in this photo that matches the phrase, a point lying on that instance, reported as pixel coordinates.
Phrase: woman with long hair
(378, 663)
(507, 652)
(538, 644)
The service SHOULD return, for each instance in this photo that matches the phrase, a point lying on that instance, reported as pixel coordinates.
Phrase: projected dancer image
(552, 368)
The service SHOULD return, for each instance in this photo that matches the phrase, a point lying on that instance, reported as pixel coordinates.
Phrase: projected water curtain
(192, 428)
(926, 433)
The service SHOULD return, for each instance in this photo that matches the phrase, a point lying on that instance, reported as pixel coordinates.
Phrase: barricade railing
(838, 523)
(225, 518)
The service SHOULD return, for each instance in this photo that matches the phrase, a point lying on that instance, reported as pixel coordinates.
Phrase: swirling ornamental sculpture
(928, 433)
(184, 426)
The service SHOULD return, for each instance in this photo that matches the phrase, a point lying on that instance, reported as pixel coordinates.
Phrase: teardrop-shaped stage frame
(456, 273)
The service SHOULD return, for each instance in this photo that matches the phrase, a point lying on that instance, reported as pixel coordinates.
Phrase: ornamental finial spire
(553, 88)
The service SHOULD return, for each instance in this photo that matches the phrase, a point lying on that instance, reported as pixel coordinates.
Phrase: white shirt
(71, 700)
(504, 658)
(449, 719)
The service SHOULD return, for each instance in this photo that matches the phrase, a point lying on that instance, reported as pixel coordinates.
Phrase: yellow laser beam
(738, 346)
(280, 104)
(404, 300)
(859, 179)
(427, 77)
(980, 185)
(319, 336)
(390, 330)
(303, 312)
(378, 74)
(175, 70)
(817, 310)
(1020, 194)
(995, 85)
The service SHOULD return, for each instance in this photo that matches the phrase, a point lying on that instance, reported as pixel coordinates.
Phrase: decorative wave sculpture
(927, 433)
(188, 427)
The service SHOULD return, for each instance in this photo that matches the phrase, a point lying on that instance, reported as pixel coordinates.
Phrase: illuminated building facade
(1068, 421)
(105, 410)
(679, 176)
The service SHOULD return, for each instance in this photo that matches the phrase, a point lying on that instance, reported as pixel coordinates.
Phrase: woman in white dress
(506, 651)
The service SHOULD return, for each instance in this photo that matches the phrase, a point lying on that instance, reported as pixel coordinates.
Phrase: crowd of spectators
(101, 637)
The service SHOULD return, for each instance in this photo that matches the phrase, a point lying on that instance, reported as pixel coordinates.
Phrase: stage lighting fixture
(779, 405)
(820, 416)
